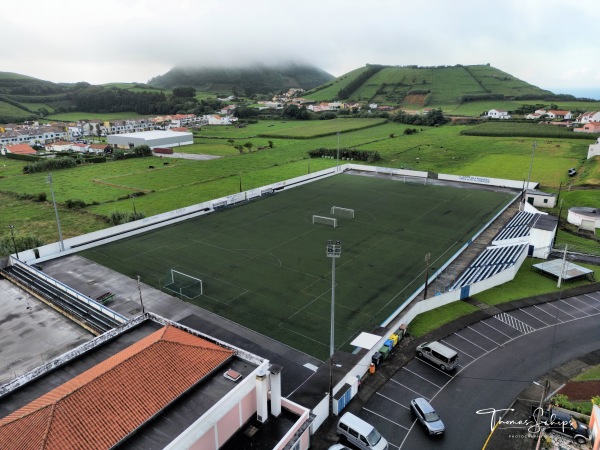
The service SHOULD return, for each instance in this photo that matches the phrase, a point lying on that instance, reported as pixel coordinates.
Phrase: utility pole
(337, 168)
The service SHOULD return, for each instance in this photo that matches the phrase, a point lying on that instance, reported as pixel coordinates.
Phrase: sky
(548, 43)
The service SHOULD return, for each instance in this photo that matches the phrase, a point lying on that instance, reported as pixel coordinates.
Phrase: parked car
(436, 352)
(552, 419)
(572, 171)
(425, 414)
(360, 433)
(339, 447)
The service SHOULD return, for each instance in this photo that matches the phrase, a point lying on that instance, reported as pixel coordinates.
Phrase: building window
(545, 200)
(296, 446)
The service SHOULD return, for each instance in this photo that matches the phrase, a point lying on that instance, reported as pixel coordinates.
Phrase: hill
(245, 81)
(416, 87)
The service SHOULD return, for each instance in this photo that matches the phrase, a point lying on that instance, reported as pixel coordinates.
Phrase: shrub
(75, 204)
(346, 153)
(47, 165)
(40, 197)
(21, 242)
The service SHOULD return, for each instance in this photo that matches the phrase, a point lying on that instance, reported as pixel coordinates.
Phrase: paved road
(500, 357)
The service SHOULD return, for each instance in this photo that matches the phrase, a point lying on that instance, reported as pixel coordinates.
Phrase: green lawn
(263, 264)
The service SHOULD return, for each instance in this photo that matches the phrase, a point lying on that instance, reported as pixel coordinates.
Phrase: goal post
(183, 284)
(332, 221)
(345, 213)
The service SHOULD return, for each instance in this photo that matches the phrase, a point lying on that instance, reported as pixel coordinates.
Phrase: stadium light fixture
(60, 239)
(334, 251)
(12, 235)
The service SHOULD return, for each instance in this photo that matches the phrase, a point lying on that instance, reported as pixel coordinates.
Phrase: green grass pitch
(263, 263)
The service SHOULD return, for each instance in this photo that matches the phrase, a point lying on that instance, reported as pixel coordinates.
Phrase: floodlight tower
(334, 251)
(533, 146)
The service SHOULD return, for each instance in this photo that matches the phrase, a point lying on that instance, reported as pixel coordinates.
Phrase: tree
(249, 146)
(270, 144)
(184, 92)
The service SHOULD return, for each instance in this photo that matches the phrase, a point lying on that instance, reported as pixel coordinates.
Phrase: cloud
(542, 42)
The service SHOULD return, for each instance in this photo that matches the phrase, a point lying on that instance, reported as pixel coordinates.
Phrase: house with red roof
(20, 149)
(559, 114)
(590, 127)
(152, 381)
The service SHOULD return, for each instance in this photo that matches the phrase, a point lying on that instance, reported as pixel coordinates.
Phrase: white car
(339, 447)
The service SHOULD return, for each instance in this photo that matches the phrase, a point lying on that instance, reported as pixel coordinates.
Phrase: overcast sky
(548, 43)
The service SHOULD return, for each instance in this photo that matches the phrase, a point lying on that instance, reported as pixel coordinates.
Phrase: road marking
(406, 387)
(554, 306)
(391, 400)
(514, 323)
(535, 317)
(494, 328)
(456, 334)
(455, 347)
(573, 306)
(555, 317)
(423, 378)
(586, 304)
(383, 417)
(483, 335)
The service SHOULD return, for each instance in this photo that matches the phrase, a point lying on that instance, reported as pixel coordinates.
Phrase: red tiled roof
(21, 149)
(100, 407)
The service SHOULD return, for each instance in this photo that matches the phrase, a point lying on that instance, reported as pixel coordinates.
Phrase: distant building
(498, 114)
(594, 149)
(155, 138)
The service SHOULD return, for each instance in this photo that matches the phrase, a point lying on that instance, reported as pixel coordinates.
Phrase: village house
(590, 127)
(497, 114)
(559, 114)
(594, 149)
(589, 116)
(18, 149)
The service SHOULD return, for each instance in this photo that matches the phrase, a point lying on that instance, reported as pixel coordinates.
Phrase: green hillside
(243, 81)
(417, 87)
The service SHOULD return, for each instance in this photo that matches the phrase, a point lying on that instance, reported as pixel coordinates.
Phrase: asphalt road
(492, 381)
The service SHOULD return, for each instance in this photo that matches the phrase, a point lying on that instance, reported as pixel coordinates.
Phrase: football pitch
(263, 263)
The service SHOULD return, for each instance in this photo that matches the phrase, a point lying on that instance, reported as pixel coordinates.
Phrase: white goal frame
(324, 220)
(346, 213)
(180, 291)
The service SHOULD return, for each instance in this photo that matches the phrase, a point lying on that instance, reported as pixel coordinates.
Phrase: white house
(498, 114)
(559, 114)
(220, 120)
(589, 116)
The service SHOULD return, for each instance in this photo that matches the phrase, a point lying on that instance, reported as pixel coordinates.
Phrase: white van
(360, 433)
(444, 357)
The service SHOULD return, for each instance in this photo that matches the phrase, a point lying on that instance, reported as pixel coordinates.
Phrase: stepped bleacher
(518, 227)
(63, 301)
(490, 262)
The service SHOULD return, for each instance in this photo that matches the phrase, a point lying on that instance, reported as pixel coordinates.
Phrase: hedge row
(370, 156)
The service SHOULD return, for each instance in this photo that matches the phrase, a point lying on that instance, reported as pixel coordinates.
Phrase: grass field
(75, 116)
(263, 264)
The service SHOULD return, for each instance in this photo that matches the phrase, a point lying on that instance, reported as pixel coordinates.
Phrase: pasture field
(185, 182)
(263, 263)
(451, 83)
(334, 86)
(526, 129)
(6, 109)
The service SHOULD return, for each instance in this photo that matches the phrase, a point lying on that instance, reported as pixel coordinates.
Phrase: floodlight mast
(334, 251)
(12, 235)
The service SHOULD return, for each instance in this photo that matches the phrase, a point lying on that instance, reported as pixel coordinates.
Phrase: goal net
(183, 284)
(345, 213)
(331, 221)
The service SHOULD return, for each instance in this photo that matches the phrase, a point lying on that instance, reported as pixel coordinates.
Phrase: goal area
(182, 284)
(345, 213)
(331, 221)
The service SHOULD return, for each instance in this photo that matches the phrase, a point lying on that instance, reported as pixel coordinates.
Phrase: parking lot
(389, 409)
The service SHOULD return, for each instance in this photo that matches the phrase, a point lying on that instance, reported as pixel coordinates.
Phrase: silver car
(427, 416)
